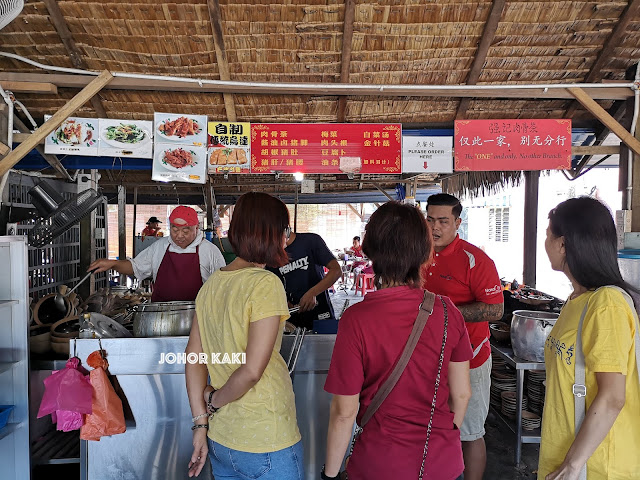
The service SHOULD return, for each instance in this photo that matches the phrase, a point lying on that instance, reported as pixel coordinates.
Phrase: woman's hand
(565, 472)
(200, 452)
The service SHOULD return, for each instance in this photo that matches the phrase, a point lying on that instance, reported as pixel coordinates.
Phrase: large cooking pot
(529, 331)
(163, 319)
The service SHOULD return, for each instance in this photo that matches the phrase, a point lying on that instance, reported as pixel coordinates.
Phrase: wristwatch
(324, 476)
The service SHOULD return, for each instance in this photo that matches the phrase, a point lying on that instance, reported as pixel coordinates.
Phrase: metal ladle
(59, 298)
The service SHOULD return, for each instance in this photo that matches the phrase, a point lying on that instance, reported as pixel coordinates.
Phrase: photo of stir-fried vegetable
(125, 133)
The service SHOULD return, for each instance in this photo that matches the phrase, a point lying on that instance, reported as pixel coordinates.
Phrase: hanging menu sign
(180, 152)
(229, 147)
(427, 154)
(490, 145)
(125, 138)
(75, 136)
(326, 148)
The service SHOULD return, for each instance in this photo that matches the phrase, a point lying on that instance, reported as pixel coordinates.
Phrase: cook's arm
(481, 312)
(596, 424)
(103, 264)
(307, 302)
(344, 409)
(262, 338)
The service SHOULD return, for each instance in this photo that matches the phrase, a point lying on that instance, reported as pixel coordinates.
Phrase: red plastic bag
(66, 390)
(107, 416)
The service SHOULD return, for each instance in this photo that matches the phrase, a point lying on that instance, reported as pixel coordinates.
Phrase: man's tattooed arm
(481, 312)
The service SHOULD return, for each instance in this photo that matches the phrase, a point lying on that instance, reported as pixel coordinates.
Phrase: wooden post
(531, 184)
(54, 122)
(122, 228)
(135, 213)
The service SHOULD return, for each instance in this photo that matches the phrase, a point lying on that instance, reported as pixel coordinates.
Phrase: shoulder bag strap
(426, 308)
(435, 392)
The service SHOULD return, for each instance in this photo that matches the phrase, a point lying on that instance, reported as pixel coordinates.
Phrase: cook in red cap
(184, 216)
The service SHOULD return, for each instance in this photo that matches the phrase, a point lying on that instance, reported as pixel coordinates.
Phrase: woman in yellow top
(581, 243)
(241, 310)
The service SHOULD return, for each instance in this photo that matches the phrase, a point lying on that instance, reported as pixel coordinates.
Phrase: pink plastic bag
(66, 390)
(67, 421)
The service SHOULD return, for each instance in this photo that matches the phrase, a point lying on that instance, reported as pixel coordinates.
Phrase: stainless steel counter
(157, 443)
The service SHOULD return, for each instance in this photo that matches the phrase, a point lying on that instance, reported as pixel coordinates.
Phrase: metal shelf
(532, 436)
(7, 303)
(6, 366)
(56, 448)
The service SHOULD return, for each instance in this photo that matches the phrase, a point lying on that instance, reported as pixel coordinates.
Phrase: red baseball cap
(188, 216)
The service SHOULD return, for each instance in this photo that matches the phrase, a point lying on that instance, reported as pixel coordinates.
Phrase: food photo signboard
(229, 147)
(180, 153)
(495, 145)
(126, 138)
(326, 148)
(75, 136)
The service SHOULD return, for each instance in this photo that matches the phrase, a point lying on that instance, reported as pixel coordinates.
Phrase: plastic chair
(365, 283)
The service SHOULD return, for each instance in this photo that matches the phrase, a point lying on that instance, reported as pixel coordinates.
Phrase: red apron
(178, 277)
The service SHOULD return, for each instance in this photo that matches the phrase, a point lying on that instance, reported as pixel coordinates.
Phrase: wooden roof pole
(57, 18)
(602, 115)
(347, 41)
(605, 55)
(54, 122)
(221, 56)
(490, 28)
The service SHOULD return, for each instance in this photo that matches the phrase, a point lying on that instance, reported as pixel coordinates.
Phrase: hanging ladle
(59, 298)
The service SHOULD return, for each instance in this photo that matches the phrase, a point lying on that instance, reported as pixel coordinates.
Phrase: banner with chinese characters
(486, 145)
(326, 148)
(76, 136)
(427, 154)
(229, 147)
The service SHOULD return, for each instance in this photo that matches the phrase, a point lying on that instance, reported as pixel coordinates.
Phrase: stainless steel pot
(163, 319)
(529, 331)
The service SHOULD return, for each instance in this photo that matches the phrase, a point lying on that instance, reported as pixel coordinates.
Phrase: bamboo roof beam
(347, 41)
(55, 121)
(60, 24)
(221, 56)
(489, 33)
(29, 87)
(604, 116)
(595, 73)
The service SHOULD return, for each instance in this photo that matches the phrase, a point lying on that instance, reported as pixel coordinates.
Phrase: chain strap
(435, 393)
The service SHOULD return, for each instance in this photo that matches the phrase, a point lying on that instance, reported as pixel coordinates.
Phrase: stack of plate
(535, 390)
(501, 381)
(509, 400)
(530, 421)
(498, 363)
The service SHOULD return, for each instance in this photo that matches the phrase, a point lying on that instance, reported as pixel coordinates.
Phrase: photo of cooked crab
(178, 129)
(179, 159)
(74, 132)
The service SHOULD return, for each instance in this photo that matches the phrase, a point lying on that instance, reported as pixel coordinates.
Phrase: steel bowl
(163, 319)
(529, 332)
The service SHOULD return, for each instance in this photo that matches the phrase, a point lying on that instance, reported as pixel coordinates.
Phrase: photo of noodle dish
(179, 128)
(178, 159)
(73, 132)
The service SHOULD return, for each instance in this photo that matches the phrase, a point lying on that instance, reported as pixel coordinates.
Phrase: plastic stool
(365, 283)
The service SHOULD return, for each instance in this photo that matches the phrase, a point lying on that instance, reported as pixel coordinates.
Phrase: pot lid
(105, 327)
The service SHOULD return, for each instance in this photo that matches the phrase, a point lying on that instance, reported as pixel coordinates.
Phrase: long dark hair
(590, 243)
(398, 241)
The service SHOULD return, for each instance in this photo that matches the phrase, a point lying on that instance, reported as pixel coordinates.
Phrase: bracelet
(203, 425)
(324, 476)
(197, 417)
(210, 406)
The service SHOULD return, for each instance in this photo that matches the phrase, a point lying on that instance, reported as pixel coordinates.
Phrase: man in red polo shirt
(469, 278)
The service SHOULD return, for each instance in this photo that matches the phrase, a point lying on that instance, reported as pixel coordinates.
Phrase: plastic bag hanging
(107, 416)
(67, 396)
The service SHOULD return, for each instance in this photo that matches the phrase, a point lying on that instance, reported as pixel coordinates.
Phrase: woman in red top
(371, 337)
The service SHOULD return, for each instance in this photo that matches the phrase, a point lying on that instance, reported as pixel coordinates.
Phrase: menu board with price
(326, 148)
(492, 145)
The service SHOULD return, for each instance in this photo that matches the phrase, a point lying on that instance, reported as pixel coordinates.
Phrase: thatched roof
(443, 42)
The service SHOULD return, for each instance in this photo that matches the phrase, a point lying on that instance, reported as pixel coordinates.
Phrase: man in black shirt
(305, 282)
